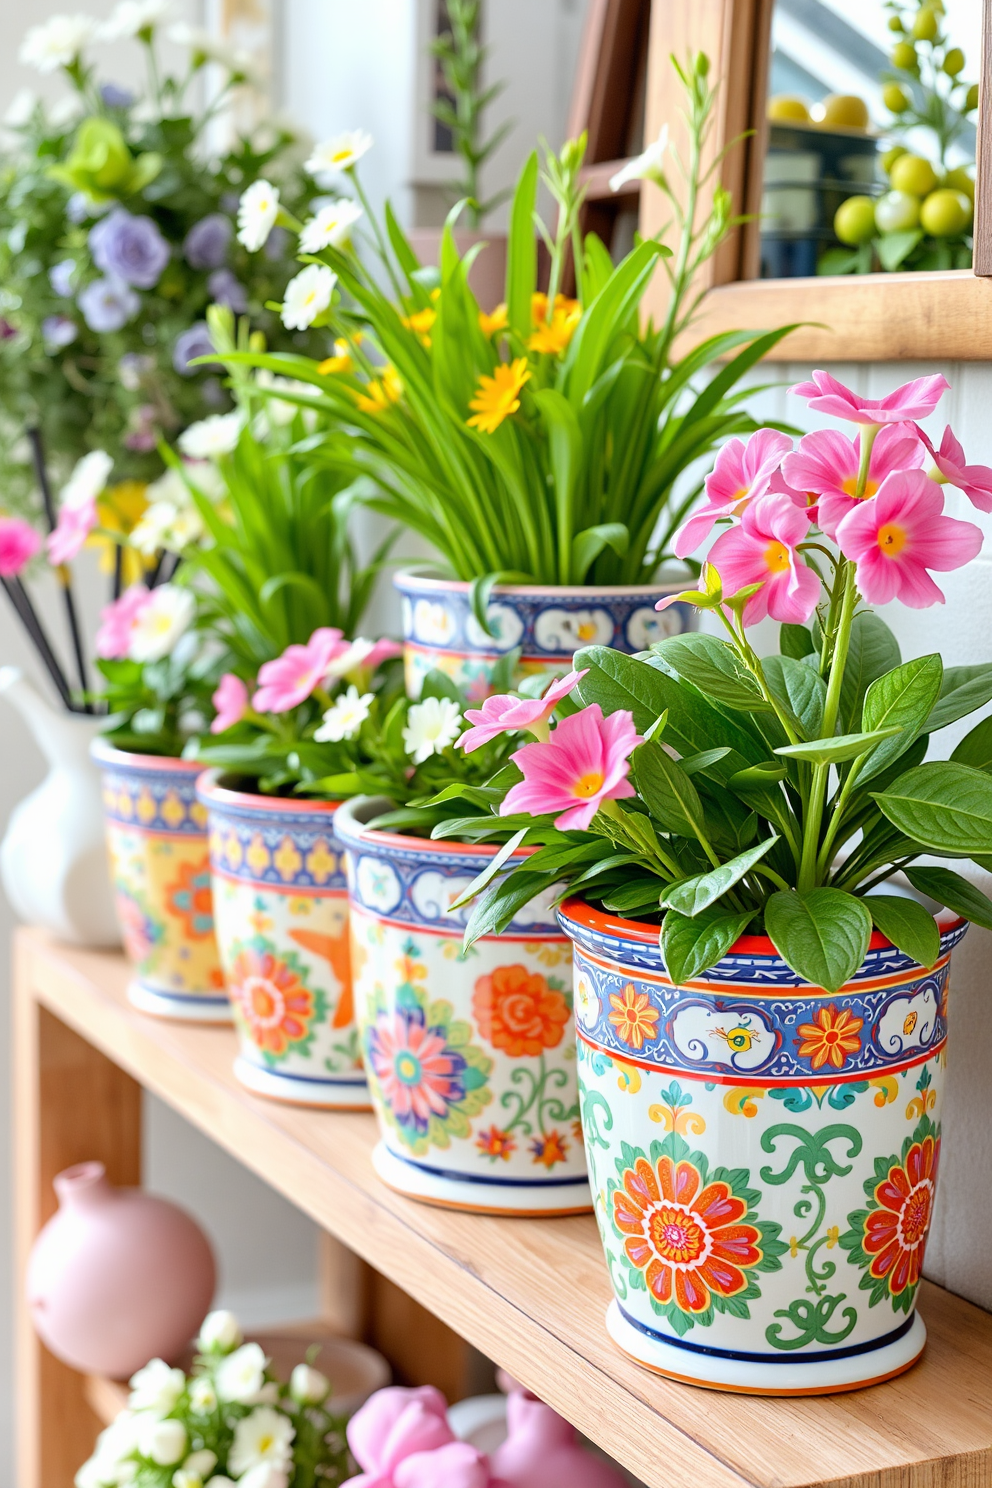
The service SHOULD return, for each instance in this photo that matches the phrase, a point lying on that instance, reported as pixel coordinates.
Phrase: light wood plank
(531, 1293)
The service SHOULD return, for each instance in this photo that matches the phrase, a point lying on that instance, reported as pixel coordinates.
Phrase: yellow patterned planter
(160, 865)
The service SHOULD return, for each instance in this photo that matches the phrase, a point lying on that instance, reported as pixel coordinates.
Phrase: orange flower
(517, 1011)
(831, 1038)
(381, 392)
(552, 336)
(420, 323)
(277, 1008)
(895, 1233)
(497, 321)
(549, 1148)
(633, 1017)
(496, 1143)
(498, 396)
(190, 899)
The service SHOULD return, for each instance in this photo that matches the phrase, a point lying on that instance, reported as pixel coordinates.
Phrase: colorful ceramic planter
(160, 866)
(470, 1062)
(281, 903)
(549, 624)
(763, 1156)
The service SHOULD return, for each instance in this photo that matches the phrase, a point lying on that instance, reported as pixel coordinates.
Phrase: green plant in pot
(761, 995)
(544, 450)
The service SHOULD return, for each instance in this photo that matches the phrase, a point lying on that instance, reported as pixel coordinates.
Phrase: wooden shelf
(531, 1294)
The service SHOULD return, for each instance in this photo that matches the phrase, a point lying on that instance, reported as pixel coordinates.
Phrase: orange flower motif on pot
(189, 898)
(549, 1148)
(272, 1000)
(633, 1017)
(889, 1237)
(687, 1236)
(519, 1012)
(831, 1039)
(496, 1143)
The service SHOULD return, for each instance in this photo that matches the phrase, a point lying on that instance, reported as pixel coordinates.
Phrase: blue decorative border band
(806, 1357)
(487, 1181)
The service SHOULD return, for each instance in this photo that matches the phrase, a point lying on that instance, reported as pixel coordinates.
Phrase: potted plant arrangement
(761, 1008)
(538, 448)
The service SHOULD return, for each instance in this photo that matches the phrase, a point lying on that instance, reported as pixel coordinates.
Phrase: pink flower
(499, 715)
(762, 550)
(914, 400)
(19, 542)
(826, 464)
(292, 677)
(741, 473)
(383, 650)
(585, 762)
(74, 526)
(362, 655)
(392, 1425)
(899, 534)
(117, 621)
(974, 480)
(458, 1465)
(231, 702)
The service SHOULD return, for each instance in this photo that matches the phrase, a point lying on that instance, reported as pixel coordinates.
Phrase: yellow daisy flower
(497, 321)
(341, 360)
(420, 323)
(381, 392)
(498, 396)
(120, 509)
(552, 335)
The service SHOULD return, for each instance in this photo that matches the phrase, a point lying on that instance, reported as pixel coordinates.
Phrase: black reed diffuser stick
(28, 617)
(61, 571)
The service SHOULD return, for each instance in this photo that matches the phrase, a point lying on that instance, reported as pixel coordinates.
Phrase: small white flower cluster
(330, 227)
(212, 437)
(150, 1431)
(171, 521)
(431, 727)
(58, 42)
(130, 18)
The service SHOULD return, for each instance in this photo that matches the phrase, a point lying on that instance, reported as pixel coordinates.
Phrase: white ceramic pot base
(181, 1009)
(479, 1198)
(825, 1377)
(322, 1095)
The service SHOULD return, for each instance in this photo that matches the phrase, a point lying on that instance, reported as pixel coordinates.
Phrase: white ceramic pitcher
(53, 860)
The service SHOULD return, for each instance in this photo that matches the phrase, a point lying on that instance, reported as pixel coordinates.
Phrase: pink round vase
(541, 1451)
(117, 1277)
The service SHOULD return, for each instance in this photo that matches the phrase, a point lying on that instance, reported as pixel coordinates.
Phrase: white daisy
(280, 411)
(202, 1395)
(350, 659)
(257, 213)
(58, 42)
(130, 17)
(431, 726)
(647, 166)
(164, 524)
(343, 721)
(165, 1442)
(307, 296)
(265, 1475)
(212, 437)
(156, 1388)
(87, 480)
(342, 153)
(220, 1330)
(264, 1436)
(167, 615)
(331, 228)
(241, 1376)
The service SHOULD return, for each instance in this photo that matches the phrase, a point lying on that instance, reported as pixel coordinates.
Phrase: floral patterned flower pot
(763, 1156)
(548, 624)
(160, 866)
(281, 903)
(471, 1063)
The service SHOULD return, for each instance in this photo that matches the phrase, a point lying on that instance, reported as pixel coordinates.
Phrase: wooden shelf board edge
(531, 1294)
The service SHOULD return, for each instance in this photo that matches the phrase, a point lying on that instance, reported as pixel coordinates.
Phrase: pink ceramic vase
(117, 1277)
(541, 1451)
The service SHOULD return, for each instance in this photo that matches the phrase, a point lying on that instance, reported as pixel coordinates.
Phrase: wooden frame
(871, 317)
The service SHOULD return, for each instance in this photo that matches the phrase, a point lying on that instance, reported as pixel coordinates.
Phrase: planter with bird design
(281, 909)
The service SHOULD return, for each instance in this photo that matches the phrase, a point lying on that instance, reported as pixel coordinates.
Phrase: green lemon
(954, 62)
(926, 26)
(913, 174)
(841, 111)
(895, 23)
(854, 222)
(785, 108)
(904, 56)
(897, 211)
(890, 156)
(959, 180)
(971, 98)
(896, 99)
(945, 213)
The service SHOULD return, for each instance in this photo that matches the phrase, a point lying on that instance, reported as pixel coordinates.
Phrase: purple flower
(195, 342)
(7, 331)
(225, 289)
(116, 97)
(58, 331)
(108, 304)
(60, 277)
(131, 248)
(207, 241)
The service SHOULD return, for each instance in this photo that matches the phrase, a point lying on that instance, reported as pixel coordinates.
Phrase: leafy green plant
(709, 791)
(462, 56)
(544, 442)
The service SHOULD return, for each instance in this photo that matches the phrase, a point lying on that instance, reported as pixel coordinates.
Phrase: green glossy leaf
(835, 751)
(795, 641)
(667, 791)
(910, 927)
(873, 651)
(713, 666)
(632, 897)
(799, 688)
(491, 870)
(521, 249)
(823, 935)
(953, 891)
(696, 764)
(975, 748)
(695, 894)
(902, 698)
(963, 690)
(946, 807)
(692, 946)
